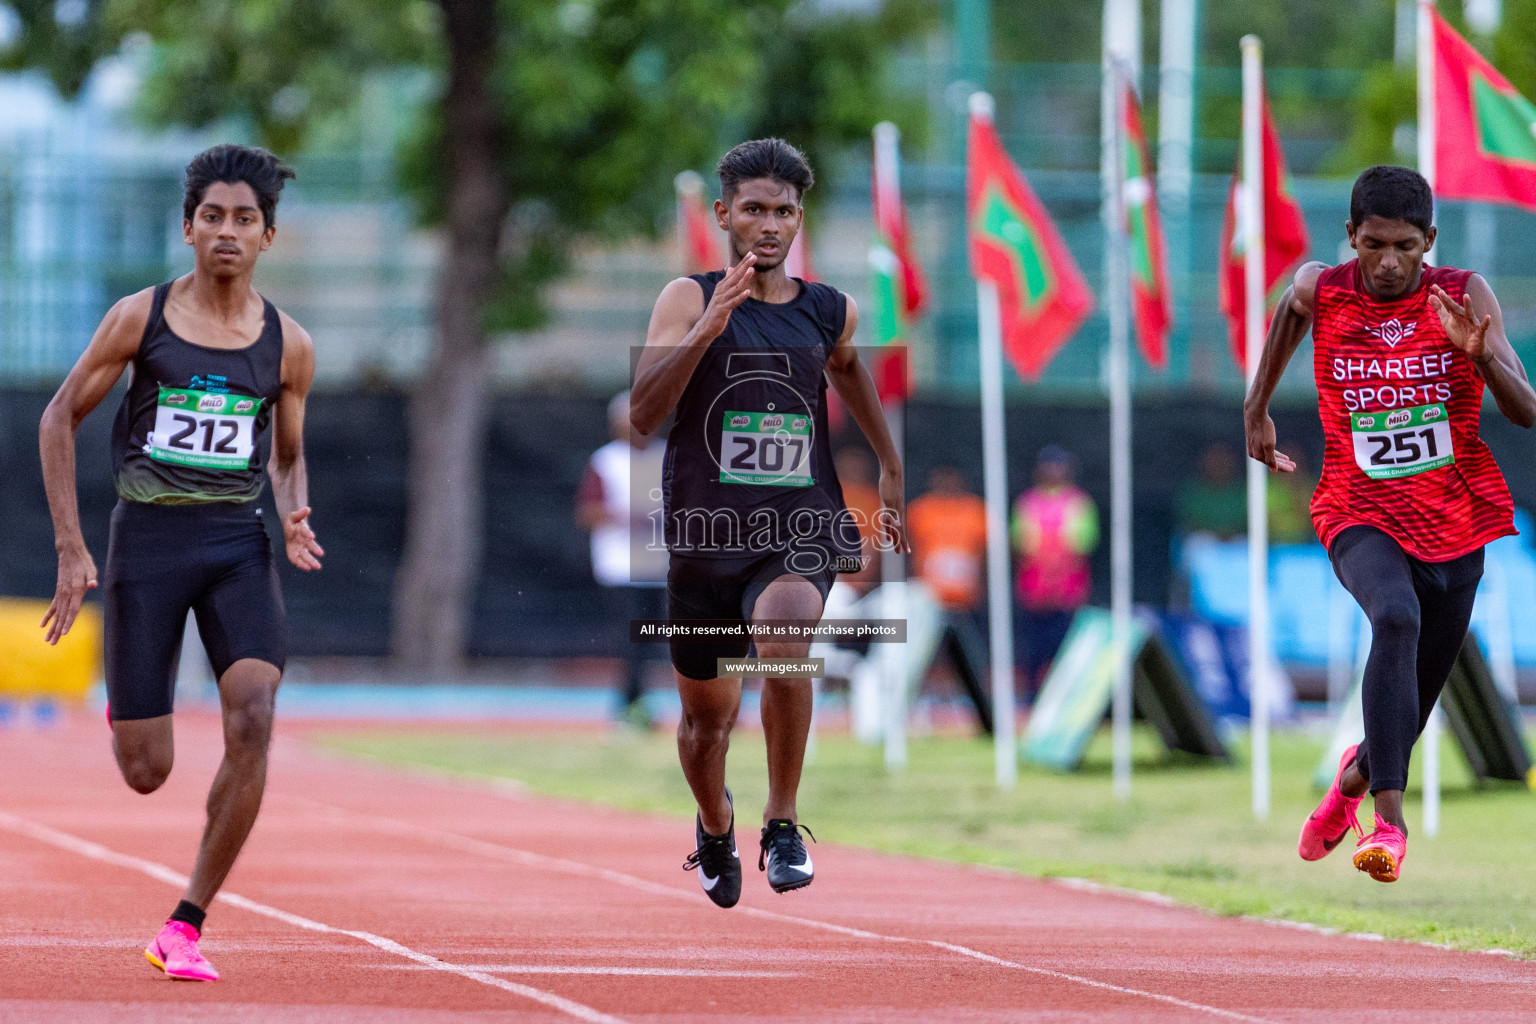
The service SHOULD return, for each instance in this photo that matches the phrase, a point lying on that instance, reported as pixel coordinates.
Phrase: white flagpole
(1122, 49)
(1426, 72)
(1258, 473)
(893, 563)
(995, 463)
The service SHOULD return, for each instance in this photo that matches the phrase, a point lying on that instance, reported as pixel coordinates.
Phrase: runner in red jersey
(1409, 493)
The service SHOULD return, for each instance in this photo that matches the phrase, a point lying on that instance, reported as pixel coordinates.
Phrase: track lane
(485, 878)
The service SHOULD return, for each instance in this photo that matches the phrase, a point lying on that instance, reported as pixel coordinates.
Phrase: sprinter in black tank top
(755, 521)
(215, 403)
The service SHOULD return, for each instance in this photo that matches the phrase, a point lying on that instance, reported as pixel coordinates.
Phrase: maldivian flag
(1014, 245)
(1485, 131)
(1285, 239)
(900, 291)
(1151, 300)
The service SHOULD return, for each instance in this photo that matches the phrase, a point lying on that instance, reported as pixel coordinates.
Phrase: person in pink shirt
(1055, 529)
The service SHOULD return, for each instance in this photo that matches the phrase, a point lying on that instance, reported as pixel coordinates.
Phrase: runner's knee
(248, 723)
(1396, 618)
(144, 770)
(784, 649)
(709, 726)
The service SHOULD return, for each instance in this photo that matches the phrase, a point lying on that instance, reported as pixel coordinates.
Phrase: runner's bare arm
(856, 388)
(286, 467)
(1292, 320)
(111, 349)
(682, 329)
(1477, 328)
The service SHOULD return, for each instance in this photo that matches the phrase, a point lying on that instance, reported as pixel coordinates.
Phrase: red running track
(371, 896)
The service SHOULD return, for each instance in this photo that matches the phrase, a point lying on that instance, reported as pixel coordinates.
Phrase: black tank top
(749, 460)
(195, 424)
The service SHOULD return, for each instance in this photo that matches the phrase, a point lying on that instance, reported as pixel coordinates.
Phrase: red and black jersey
(1400, 405)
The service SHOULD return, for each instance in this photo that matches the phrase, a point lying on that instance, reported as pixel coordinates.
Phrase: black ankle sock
(189, 913)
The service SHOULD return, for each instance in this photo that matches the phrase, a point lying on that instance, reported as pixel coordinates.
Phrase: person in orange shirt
(948, 530)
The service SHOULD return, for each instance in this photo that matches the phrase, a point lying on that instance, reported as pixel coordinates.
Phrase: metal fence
(81, 226)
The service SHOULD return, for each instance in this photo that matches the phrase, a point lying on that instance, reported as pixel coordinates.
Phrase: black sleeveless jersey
(749, 460)
(195, 425)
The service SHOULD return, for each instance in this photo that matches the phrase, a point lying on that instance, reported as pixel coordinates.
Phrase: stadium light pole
(1258, 472)
(994, 445)
(1425, 43)
(1122, 60)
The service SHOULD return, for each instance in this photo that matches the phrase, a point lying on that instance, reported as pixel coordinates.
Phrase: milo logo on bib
(203, 429)
(1403, 442)
(765, 449)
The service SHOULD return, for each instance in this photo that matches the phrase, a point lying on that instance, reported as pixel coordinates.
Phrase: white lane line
(497, 851)
(626, 972)
(95, 851)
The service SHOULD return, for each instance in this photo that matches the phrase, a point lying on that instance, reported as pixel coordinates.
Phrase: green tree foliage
(1389, 97)
(64, 39)
(553, 119)
(604, 99)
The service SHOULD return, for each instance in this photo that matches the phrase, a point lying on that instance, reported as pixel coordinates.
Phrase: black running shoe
(784, 857)
(718, 863)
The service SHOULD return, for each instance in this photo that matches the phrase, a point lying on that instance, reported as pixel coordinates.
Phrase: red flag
(899, 290)
(1151, 298)
(699, 234)
(1015, 246)
(892, 231)
(1484, 146)
(1285, 239)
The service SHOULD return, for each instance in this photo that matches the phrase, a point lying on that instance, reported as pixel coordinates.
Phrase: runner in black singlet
(755, 521)
(215, 403)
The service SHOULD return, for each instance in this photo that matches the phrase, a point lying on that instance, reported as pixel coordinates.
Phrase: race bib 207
(767, 449)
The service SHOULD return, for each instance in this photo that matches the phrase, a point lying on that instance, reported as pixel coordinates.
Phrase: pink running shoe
(174, 951)
(1381, 853)
(1335, 816)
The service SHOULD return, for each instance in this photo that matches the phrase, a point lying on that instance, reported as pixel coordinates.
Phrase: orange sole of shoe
(1378, 864)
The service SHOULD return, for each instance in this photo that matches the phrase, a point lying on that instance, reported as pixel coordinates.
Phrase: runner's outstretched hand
(731, 292)
(1261, 445)
(1461, 324)
(303, 551)
(77, 574)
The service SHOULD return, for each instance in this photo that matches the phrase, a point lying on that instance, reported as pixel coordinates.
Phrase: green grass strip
(1187, 831)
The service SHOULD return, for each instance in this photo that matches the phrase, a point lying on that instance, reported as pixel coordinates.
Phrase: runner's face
(763, 218)
(227, 230)
(1391, 254)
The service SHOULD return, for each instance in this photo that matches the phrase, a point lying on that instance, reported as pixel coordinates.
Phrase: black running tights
(1419, 612)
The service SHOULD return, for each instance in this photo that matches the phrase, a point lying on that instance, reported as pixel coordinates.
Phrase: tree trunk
(435, 584)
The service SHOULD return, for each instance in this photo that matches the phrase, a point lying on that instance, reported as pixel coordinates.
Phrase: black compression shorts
(726, 590)
(162, 560)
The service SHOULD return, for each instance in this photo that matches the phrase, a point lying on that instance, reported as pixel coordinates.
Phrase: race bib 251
(1402, 442)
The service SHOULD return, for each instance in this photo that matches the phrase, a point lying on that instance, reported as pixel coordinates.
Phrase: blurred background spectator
(619, 503)
(1216, 502)
(1055, 529)
(1289, 499)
